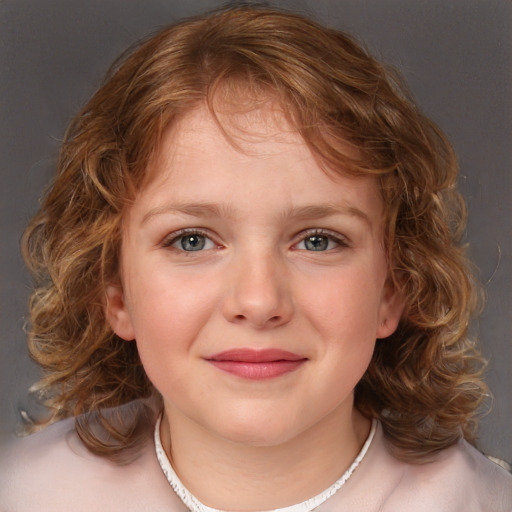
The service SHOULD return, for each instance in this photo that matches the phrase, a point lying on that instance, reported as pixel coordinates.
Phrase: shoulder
(461, 479)
(53, 471)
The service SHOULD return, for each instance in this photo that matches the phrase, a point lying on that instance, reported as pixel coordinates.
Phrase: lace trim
(194, 505)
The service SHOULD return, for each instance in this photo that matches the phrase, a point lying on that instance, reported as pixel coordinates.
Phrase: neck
(223, 474)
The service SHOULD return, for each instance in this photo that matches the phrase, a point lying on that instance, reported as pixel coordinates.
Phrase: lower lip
(260, 370)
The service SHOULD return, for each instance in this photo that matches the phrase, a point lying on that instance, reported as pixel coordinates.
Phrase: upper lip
(250, 355)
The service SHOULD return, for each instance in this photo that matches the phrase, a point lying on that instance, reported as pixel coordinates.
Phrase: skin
(255, 284)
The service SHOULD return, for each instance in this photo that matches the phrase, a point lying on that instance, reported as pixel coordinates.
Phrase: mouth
(257, 364)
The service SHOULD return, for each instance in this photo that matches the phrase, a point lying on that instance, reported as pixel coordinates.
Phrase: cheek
(168, 312)
(346, 304)
(345, 312)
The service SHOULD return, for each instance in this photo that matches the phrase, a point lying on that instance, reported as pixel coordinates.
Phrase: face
(254, 283)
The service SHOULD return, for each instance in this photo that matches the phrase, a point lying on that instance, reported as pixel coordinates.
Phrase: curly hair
(423, 383)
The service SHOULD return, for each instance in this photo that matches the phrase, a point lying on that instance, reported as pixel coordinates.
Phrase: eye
(320, 241)
(190, 241)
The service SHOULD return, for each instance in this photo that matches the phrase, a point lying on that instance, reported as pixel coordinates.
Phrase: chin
(259, 439)
(260, 431)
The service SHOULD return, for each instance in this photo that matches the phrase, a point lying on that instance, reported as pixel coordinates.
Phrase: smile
(257, 364)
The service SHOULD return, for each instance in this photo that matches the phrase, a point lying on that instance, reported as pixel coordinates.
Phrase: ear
(390, 311)
(117, 313)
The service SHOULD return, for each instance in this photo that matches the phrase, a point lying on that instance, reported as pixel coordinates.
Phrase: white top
(52, 471)
(194, 505)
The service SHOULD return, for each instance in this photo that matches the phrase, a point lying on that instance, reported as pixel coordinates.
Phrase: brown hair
(423, 382)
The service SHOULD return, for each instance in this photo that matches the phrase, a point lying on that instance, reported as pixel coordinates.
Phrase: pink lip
(257, 364)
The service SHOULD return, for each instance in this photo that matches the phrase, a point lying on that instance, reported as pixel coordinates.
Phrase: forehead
(253, 152)
(254, 124)
(251, 128)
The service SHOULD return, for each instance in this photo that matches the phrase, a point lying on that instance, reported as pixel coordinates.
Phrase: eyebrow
(222, 210)
(326, 210)
(191, 209)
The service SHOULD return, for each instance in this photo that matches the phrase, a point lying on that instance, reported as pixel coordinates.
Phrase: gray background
(456, 56)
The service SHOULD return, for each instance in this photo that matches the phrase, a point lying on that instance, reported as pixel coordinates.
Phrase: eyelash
(340, 240)
(174, 237)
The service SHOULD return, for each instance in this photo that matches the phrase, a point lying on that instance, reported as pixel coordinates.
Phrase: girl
(251, 293)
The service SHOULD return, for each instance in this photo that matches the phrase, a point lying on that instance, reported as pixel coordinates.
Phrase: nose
(259, 293)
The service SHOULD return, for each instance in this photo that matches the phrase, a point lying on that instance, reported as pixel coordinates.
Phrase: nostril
(272, 320)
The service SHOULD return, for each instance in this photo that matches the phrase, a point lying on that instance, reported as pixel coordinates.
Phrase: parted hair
(424, 381)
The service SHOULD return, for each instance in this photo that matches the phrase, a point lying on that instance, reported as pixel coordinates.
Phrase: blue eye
(320, 242)
(191, 241)
(316, 243)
